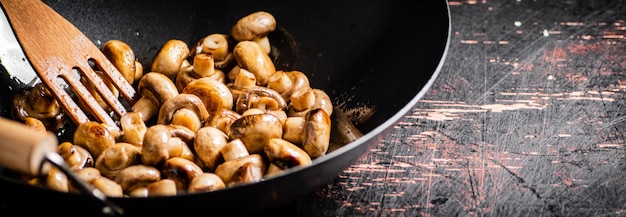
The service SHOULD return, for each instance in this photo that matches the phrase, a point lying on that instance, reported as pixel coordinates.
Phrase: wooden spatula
(60, 53)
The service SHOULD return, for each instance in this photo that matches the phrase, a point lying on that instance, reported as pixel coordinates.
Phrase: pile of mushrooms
(209, 117)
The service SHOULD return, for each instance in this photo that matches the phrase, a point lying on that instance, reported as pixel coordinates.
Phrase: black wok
(375, 59)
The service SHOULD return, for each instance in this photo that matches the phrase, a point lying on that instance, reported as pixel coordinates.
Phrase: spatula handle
(23, 149)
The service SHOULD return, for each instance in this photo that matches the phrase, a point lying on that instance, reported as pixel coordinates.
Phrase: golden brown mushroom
(123, 58)
(208, 145)
(233, 150)
(222, 119)
(273, 170)
(311, 132)
(249, 55)
(255, 27)
(163, 187)
(75, 156)
(133, 128)
(203, 66)
(163, 142)
(286, 83)
(214, 94)
(37, 102)
(219, 45)
(280, 114)
(141, 191)
(255, 130)
(170, 58)
(93, 177)
(205, 182)
(285, 154)
(306, 99)
(57, 180)
(154, 88)
(259, 97)
(94, 137)
(181, 171)
(185, 110)
(137, 176)
(247, 169)
(35, 124)
(117, 157)
(108, 187)
(242, 80)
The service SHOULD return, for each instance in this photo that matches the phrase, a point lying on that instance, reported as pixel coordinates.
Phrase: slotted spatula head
(61, 54)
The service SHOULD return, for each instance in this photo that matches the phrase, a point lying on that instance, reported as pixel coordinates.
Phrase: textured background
(525, 119)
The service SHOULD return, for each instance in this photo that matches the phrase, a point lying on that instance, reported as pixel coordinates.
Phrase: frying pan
(375, 59)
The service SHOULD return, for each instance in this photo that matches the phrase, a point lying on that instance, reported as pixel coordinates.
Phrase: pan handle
(22, 148)
(29, 151)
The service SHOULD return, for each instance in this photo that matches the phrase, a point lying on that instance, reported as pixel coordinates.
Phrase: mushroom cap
(182, 101)
(285, 154)
(317, 133)
(206, 182)
(214, 94)
(259, 97)
(154, 88)
(251, 56)
(117, 157)
(256, 130)
(135, 176)
(229, 170)
(94, 137)
(76, 157)
(181, 170)
(163, 142)
(122, 57)
(254, 25)
(222, 119)
(170, 57)
(157, 87)
(133, 128)
(208, 144)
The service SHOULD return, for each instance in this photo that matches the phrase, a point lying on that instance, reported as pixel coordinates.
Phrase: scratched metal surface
(526, 119)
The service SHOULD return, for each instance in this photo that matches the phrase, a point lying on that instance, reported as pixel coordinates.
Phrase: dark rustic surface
(525, 119)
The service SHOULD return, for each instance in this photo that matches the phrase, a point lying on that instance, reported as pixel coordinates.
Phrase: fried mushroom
(93, 136)
(214, 94)
(255, 27)
(181, 171)
(285, 154)
(222, 119)
(123, 58)
(186, 110)
(203, 66)
(155, 89)
(306, 99)
(255, 130)
(249, 55)
(137, 176)
(311, 132)
(117, 157)
(133, 128)
(163, 142)
(75, 156)
(208, 144)
(259, 97)
(205, 182)
(37, 102)
(170, 58)
(247, 169)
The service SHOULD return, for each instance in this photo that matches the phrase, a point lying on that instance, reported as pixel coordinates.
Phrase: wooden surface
(525, 119)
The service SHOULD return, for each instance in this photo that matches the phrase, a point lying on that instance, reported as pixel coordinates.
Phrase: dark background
(525, 119)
